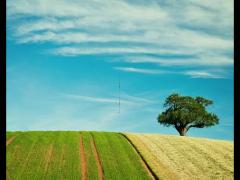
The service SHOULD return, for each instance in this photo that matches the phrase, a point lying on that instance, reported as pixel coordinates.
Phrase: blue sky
(65, 58)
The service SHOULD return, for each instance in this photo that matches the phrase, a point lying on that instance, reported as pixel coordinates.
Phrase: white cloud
(203, 29)
(75, 51)
(192, 73)
(203, 74)
(138, 99)
(200, 60)
(152, 21)
(97, 99)
(78, 8)
(51, 110)
(92, 99)
(144, 71)
(125, 99)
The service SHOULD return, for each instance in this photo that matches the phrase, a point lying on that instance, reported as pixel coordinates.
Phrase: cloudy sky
(65, 59)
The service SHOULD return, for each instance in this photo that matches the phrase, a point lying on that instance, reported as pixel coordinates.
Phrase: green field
(115, 156)
(72, 155)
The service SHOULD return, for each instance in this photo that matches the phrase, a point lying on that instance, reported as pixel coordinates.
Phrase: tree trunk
(183, 131)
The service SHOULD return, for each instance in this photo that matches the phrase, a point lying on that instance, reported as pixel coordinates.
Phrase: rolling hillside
(105, 155)
(177, 157)
(72, 155)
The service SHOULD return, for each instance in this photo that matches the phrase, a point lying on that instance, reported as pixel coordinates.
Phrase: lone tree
(185, 112)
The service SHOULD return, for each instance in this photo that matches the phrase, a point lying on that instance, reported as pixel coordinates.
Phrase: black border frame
(3, 89)
(236, 92)
(4, 86)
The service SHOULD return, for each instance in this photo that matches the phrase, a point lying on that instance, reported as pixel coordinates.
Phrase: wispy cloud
(203, 74)
(92, 99)
(201, 29)
(193, 73)
(198, 60)
(75, 51)
(125, 99)
(96, 99)
(79, 21)
(144, 71)
(85, 110)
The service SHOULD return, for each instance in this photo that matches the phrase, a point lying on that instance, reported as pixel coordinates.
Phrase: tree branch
(195, 125)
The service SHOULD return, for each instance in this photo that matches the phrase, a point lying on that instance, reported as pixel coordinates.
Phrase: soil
(83, 160)
(9, 141)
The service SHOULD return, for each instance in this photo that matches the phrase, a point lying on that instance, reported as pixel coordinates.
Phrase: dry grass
(175, 157)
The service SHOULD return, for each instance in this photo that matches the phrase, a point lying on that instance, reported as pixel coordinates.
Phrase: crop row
(174, 157)
(72, 155)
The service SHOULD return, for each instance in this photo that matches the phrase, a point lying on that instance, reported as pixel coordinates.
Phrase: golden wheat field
(185, 158)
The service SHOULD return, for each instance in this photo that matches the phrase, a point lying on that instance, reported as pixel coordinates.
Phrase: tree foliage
(185, 112)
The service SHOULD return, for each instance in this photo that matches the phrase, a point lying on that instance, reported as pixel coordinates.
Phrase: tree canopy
(185, 112)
